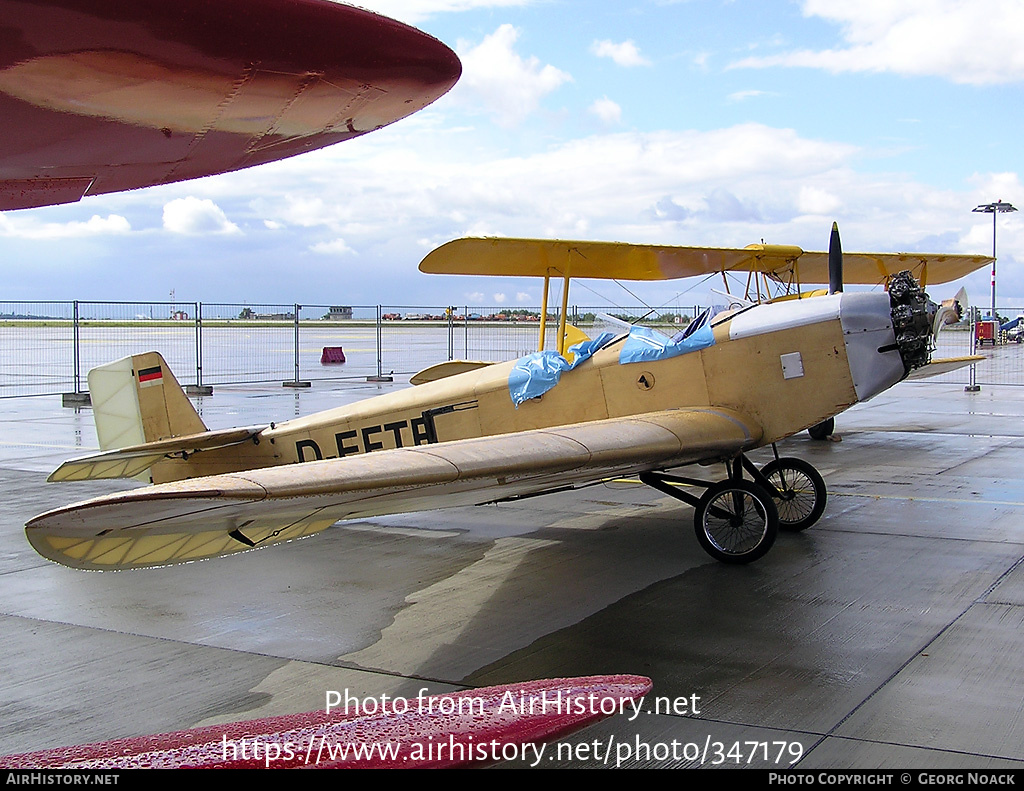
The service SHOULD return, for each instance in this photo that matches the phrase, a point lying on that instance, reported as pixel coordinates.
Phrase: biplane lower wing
(217, 515)
(944, 366)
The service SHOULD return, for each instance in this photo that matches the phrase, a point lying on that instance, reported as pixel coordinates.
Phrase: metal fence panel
(112, 330)
(356, 335)
(37, 349)
(247, 342)
(44, 350)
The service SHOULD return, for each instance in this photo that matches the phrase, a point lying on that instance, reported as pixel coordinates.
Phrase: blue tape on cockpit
(535, 374)
(645, 345)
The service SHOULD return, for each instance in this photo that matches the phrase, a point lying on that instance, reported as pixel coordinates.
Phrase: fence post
(199, 389)
(465, 340)
(380, 377)
(973, 386)
(295, 382)
(77, 398)
(451, 332)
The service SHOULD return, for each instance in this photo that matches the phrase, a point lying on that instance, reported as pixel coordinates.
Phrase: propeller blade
(835, 261)
(950, 312)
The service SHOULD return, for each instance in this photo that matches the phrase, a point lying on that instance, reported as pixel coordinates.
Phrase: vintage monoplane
(635, 403)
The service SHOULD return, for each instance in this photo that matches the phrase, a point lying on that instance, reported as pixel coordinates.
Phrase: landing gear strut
(736, 520)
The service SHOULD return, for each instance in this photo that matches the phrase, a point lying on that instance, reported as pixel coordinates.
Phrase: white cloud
(196, 216)
(603, 186)
(26, 227)
(961, 40)
(624, 54)
(740, 96)
(813, 200)
(523, 297)
(412, 11)
(723, 187)
(333, 247)
(607, 110)
(303, 210)
(499, 298)
(509, 85)
(999, 186)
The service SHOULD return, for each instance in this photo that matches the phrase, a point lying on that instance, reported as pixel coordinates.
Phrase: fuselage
(785, 366)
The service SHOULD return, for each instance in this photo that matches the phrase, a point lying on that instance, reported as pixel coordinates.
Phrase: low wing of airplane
(99, 96)
(639, 404)
(221, 514)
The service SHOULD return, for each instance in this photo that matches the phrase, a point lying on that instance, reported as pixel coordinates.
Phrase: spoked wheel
(800, 498)
(736, 521)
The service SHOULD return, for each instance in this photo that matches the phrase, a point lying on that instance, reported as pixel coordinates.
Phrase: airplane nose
(913, 315)
(887, 335)
(871, 349)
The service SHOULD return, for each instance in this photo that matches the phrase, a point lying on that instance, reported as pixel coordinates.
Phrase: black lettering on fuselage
(396, 429)
(420, 435)
(369, 438)
(343, 449)
(301, 446)
(368, 446)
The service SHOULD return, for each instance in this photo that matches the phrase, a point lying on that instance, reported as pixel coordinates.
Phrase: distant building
(179, 315)
(339, 313)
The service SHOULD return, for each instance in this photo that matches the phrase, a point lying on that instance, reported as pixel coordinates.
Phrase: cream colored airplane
(637, 403)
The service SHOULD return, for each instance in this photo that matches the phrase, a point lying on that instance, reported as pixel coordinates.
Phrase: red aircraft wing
(456, 729)
(100, 96)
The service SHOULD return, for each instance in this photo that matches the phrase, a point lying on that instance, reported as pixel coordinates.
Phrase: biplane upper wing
(99, 96)
(218, 515)
(622, 261)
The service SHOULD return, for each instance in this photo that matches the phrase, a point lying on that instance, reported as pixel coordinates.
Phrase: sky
(691, 122)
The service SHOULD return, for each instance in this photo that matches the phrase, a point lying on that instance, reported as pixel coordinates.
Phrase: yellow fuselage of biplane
(745, 371)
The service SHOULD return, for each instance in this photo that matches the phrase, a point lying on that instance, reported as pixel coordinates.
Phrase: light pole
(994, 209)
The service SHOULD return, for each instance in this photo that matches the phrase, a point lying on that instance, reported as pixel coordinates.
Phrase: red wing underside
(100, 96)
(475, 726)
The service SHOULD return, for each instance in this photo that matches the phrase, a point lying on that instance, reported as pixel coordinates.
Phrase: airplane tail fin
(143, 417)
(137, 400)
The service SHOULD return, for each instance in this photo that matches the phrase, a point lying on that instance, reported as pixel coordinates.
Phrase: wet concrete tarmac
(889, 635)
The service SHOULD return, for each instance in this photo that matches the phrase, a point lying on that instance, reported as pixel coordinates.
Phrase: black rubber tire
(736, 521)
(823, 430)
(802, 492)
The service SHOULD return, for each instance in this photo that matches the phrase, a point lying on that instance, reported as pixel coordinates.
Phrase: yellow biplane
(632, 403)
(772, 271)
